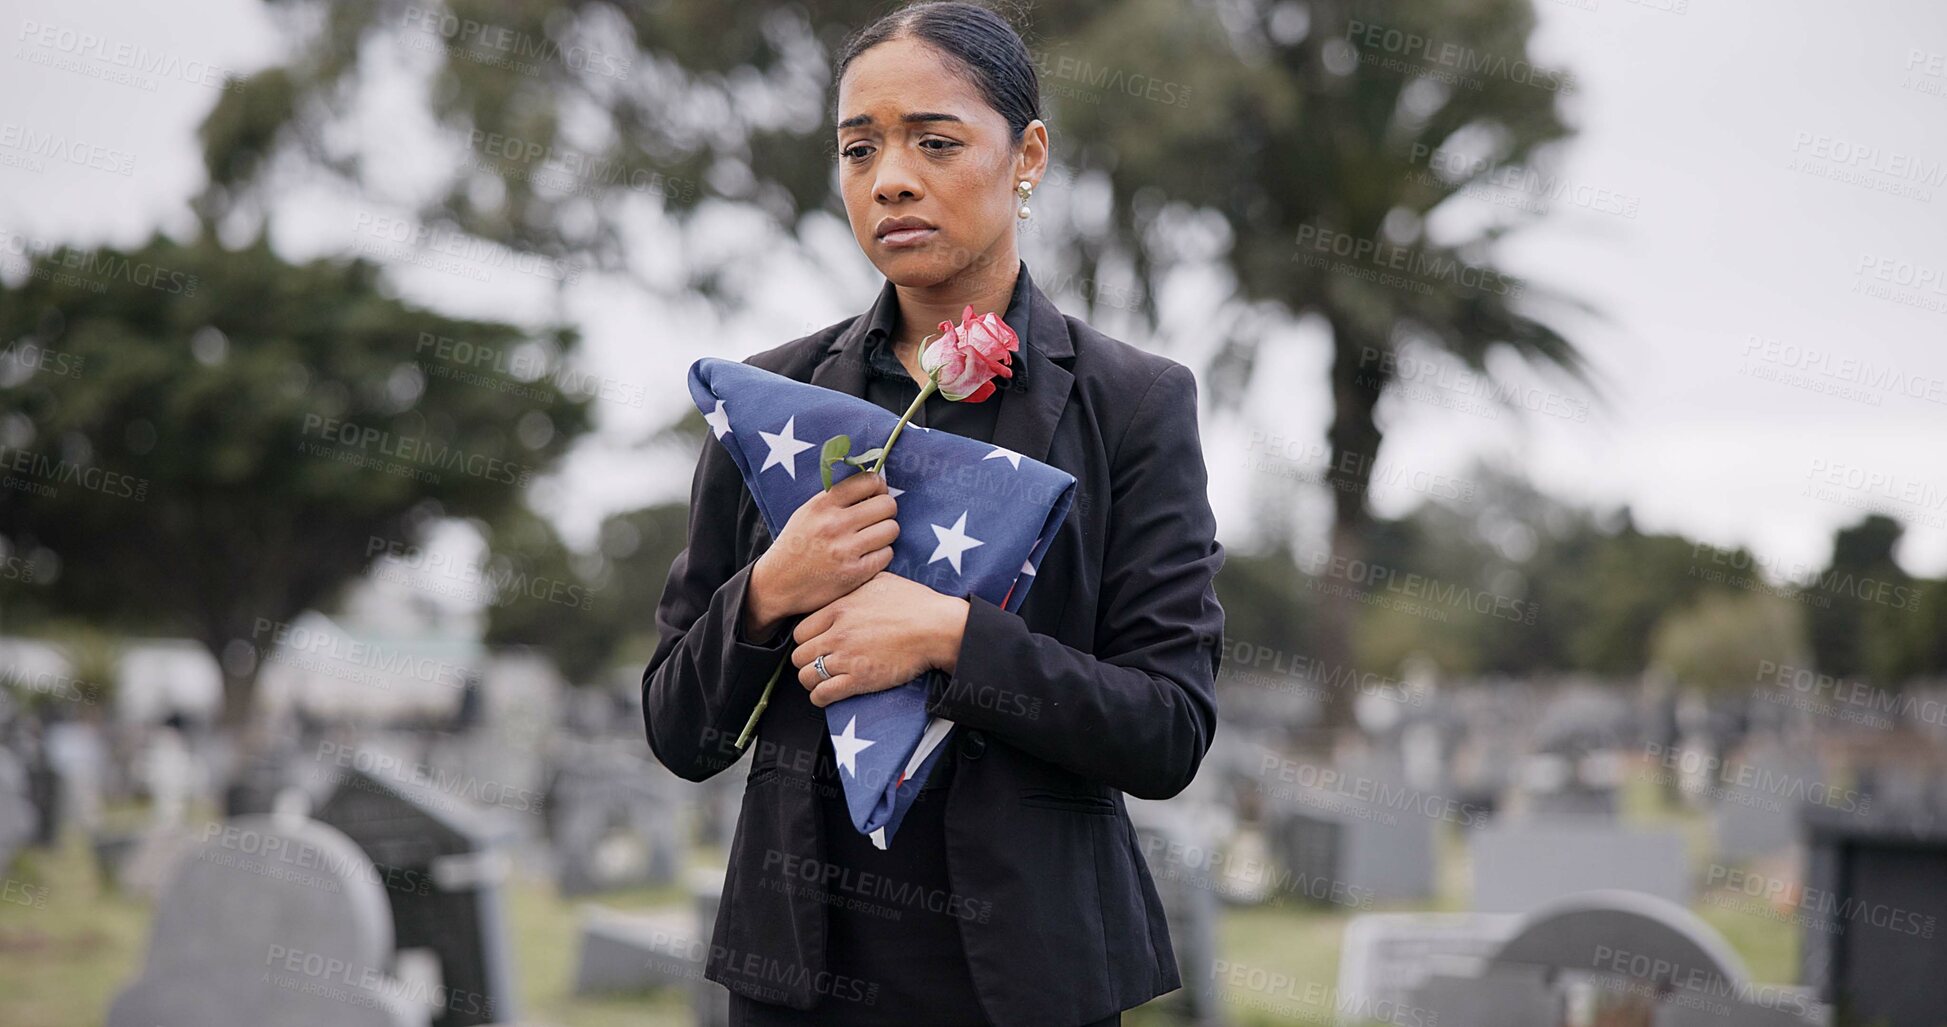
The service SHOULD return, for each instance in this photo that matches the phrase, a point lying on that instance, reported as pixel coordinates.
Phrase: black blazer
(1104, 683)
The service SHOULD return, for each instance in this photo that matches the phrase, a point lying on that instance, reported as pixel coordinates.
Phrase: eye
(945, 144)
(855, 152)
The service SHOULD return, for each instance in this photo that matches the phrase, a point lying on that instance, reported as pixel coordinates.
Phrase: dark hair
(981, 41)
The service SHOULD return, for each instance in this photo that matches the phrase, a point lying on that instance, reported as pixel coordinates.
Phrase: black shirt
(897, 931)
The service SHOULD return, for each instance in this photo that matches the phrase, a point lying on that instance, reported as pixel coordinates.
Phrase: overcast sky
(1757, 201)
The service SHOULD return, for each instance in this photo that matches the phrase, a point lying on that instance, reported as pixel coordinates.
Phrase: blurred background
(1572, 389)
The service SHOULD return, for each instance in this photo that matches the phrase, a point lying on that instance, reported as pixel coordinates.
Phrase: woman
(1014, 892)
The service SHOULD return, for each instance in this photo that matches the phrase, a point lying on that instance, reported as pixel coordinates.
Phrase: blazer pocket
(1069, 802)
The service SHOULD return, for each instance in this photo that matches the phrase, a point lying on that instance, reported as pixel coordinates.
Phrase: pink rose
(964, 361)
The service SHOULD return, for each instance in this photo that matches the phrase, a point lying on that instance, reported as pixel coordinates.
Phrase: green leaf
(865, 458)
(836, 449)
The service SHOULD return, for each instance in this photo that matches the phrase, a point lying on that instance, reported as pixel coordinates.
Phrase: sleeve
(705, 676)
(1139, 712)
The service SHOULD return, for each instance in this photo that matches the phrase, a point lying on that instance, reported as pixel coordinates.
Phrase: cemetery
(1436, 513)
(518, 857)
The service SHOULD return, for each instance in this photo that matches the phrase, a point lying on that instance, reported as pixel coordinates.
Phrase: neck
(987, 285)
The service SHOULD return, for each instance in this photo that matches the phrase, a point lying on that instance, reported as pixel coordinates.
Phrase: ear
(1032, 162)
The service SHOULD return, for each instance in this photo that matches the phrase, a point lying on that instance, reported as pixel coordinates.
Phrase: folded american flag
(974, 519)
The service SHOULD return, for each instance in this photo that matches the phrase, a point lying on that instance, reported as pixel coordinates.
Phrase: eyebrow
(915, 117)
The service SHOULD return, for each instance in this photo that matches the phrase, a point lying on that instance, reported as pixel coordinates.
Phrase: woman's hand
(886, 633)
(831, 545)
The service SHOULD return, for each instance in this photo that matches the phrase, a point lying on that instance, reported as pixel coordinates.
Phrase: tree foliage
(207, 442)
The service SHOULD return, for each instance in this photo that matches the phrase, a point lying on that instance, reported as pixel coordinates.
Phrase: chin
(916, 268)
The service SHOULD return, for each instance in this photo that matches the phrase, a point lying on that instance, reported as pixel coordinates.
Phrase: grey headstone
(1384, 957)
(442, 861)
(1367, 837)
(18, 817)
(710, 1000)
(629, 953)
(1641, 954)
(1520, 866)
(613, 823)
(1500, 997)
(145, 867)
(79, 754)
(1688, 1011)
(1761, 817)
(278, 923)
(1189, 906)
(1626, 932)
(1874, 911)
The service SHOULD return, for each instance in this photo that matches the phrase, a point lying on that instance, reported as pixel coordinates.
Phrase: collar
(880, 362)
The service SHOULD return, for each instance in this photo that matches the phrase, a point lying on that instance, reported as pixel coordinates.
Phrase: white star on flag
(894, 493)
(848, 746)
(953, 542)
(719, 419)
(1027, 568)
(1005, 454)
(785, 448)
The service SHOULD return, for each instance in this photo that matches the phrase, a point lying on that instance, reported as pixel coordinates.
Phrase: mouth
(906, 236)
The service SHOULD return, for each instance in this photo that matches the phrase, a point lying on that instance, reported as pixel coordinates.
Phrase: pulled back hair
(980, 41)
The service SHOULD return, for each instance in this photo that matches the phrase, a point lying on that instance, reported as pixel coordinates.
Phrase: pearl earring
(1026, 187)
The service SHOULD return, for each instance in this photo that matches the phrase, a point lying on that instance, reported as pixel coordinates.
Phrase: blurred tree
(1720, 642)
(1565, 590)
(1341, 141)
(1857, 631)
(229, 438)
(94, 661)
(1342, 128)
(1921, 634)
(592, 612)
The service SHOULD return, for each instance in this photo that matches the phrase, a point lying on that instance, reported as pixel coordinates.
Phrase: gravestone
(1874, 908)
(18, 817)
(142, 863)
(612, 821)
(1384, 957)
(46, 790)
(78, 753)
(624, 953)
(710, 1000)
(1365, 834)
(1501, 996)
(1522, 865)
(442, 863)
(255, 786)
(1569, 784)
(1625, 948)
(1573, 770)
(272, 922)
(1761, 818)
(719, 801)
(629, 953)
(1189, 895)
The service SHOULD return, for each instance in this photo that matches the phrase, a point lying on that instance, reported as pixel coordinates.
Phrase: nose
(893, 178)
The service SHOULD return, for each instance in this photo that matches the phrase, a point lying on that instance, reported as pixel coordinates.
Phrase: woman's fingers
(870, 511)
(815, 623)
(841, 686)
(808, 674)
(877, 536)
(857, 488)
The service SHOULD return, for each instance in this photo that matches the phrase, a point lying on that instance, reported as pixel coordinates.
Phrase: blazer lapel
(843, 366)
(1026, 421)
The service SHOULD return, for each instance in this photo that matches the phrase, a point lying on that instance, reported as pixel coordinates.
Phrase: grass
(67, 946)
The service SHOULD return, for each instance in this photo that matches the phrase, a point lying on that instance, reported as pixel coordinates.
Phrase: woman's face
(955, 171)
